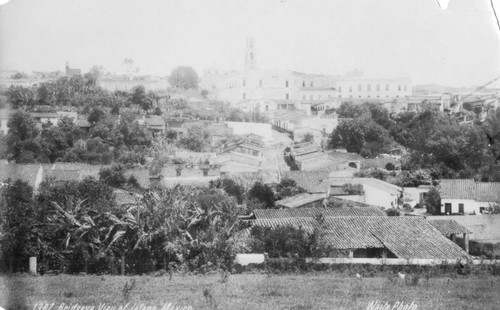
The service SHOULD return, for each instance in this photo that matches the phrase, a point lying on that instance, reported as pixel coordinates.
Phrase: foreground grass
(246, 291)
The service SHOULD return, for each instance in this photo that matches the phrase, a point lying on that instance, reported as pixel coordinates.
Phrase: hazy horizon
(456, 47)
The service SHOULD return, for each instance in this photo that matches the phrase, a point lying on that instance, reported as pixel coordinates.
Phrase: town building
(292, 88)
(70, 72)
(375, 192)
(468, 197)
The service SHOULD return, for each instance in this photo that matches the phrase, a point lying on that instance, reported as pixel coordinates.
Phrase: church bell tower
(250, 62)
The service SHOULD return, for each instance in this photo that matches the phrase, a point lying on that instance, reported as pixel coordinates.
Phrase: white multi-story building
(238, 87)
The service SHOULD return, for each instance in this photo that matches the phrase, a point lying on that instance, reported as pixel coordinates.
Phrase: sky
(459, 46)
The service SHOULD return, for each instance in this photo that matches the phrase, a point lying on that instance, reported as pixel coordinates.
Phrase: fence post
(351, 256)
(384, 256)
(466, 242)
(33, 264)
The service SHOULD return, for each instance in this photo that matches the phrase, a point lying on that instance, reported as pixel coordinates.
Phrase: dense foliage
(435, 141)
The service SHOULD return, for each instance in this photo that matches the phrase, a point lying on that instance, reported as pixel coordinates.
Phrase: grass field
(244, 291)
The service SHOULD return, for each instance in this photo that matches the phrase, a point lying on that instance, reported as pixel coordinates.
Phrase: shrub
(390, 166)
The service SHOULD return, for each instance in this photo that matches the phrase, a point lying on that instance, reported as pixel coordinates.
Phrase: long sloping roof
(406, 237)
(23, 172)
(448, 227)
(470, 189)
(311, 181)
(382, 185)
(299, 200)
(312, 212)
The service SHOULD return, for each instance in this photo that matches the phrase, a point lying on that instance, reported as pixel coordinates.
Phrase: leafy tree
(22, 141)
(97, 71)
(287, 188)
(263, 193)
(19, 75)
(362, 136)
(141, 98)
(19, 236)
(196, 139)
(282, 241)
(416, 178)
(54, 142)
(350, 110)
(96, 115)
(184, 77)
(393, 212)
(157, 111)
(390, 166)
(20, 96)
(230, 187)
(433, 201)
(113, 176)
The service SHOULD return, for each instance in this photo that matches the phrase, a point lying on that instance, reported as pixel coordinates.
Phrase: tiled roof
(64, 175)
(86, 169)
(23, 172)
(351, 203)
(407, 237)
(123, 197)
(312, 212)
(189, 181)
(448, 227)
(382, 185)
(311, 181)
(299, 200)
(154, 120)
(469, 189)
(44, 114)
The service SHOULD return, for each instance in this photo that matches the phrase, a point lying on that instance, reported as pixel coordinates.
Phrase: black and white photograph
(249, 154)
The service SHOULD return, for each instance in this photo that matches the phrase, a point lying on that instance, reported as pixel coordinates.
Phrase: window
(359, 87)
(386, 86)
(303, 83)
(399, 87)
(287, 96)
(311, 84)
(286, 83)
(244, 83)
(303, 97)
(350, 89)
(369, 87)
(311, 97)
(319, 97)
(405, 87)
(244, 96)
(340, 89)
(260, 83)
(378, 87)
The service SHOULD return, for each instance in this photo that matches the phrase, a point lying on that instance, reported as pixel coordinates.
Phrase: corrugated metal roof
(406, 237)
(469, 189)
